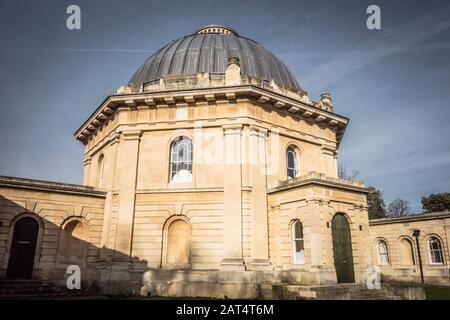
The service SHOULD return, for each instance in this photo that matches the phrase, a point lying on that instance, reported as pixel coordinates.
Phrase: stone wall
(70, 219)
(393, 231)
(314, 201)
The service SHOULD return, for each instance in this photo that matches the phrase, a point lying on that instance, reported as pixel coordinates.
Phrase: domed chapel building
(210, 173)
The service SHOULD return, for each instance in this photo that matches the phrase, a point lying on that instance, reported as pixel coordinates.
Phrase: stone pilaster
(276, 237)
(447, 235)
(87, 169)
(315, 238)
(260, 241)
(106, 226)
(126, 167)
(105, 252)
(232, 259)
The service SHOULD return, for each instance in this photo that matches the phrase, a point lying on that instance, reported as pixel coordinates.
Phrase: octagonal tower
(216, 161)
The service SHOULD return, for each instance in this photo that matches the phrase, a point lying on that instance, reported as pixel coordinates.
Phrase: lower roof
(43, 185)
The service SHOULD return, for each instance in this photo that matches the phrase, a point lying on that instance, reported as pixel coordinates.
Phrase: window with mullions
(383, 254)
(297, 243)
(181, 160)
(435, 250)
(291, 162)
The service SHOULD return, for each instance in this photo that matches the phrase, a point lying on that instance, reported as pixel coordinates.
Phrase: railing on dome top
(215, 29)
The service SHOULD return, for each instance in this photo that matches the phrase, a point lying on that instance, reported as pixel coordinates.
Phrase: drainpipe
(416, 234)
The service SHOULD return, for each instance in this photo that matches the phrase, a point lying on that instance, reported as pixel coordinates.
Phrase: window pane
(291, 159)
(290, 174)
(299, 245)
(298, 230)
(181, 152)
(434, 244)
(300, 257)
(436, 258)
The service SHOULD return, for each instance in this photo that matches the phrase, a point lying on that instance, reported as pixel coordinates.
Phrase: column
(232, 259)
(260, 239)
(126, 170)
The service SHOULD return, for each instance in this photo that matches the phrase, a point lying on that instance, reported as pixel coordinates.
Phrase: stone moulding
(14, 182)
(201, 95)
(411, 218)
(319, 179)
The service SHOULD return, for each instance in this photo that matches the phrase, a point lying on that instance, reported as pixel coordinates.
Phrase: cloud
(437, 160)
(79, 50)
(393, 41)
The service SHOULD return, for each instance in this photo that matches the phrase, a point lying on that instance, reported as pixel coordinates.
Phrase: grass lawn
(437, 293)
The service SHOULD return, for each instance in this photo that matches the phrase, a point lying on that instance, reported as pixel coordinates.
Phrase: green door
(342, 249)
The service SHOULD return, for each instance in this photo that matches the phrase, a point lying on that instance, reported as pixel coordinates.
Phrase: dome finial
(215, 28)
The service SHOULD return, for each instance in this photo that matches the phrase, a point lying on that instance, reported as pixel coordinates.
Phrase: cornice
(262, 96)
(179, 190)
(411, 218)
(325, 182)
(41, 185)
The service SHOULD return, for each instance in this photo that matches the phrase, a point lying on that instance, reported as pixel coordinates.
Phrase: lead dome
(208, 49)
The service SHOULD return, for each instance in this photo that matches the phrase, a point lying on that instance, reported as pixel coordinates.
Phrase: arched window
(298, 247)
(383, 254)
(292, 162)
(178, 244)
(181, 160)
(406, 252)
(435, 250)
(101, 166)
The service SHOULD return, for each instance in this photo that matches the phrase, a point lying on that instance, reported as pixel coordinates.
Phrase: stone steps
(331, 292)
(27, 289)
(35, 289)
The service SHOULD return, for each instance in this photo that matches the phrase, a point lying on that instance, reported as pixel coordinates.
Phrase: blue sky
(392, 83)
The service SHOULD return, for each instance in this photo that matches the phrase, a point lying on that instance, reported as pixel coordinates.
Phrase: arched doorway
(342, 249)
(23, 249)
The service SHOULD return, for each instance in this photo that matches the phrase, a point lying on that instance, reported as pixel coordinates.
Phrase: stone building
(402, 246)
(210, 173)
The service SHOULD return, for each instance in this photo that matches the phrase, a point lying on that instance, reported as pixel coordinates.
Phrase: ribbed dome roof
(208, 50)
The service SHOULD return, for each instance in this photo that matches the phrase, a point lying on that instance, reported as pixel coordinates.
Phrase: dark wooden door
(23, 248)
(342, 249)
